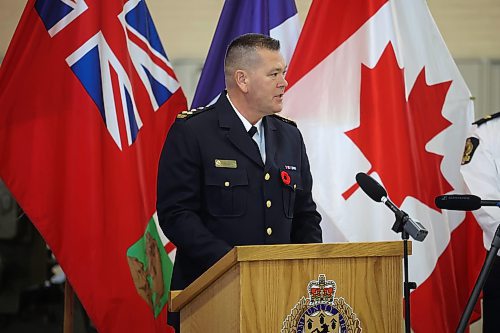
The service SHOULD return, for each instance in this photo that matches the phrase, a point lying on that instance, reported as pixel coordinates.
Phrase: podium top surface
(284, 252)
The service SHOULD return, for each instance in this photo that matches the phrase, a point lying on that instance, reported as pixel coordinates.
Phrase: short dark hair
(243, 46)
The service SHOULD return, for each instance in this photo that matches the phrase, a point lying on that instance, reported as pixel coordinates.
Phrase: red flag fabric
(87, 95)
(374, 89)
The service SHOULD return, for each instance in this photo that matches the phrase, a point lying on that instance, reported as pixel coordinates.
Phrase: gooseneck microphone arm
(404, 224)
(398, 212)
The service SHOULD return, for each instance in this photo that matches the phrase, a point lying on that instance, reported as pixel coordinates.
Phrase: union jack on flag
(96, 64)
(82, 151)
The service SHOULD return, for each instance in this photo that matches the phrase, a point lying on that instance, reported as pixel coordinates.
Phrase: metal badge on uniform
(470, 147)
(230, 164)
(290, 167)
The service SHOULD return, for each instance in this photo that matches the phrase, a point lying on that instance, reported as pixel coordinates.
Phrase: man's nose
(283, 82)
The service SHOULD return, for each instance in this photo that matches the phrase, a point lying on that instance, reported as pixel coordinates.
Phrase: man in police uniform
(481, 171)
(235, 173)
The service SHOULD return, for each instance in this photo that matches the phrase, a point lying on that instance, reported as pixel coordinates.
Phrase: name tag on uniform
(230, 164)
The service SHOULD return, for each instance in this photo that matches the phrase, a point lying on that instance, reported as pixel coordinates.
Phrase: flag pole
(69, 307)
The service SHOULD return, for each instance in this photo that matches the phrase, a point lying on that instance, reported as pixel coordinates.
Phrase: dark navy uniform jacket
(214, 192)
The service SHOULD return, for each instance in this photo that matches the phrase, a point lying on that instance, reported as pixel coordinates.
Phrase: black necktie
(252, 131)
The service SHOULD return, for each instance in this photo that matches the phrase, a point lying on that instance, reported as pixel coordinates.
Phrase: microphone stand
(483, 274)
(407, 286)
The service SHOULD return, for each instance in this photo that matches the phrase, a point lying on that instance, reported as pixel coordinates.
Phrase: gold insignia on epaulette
(487, 118)
(184, 114)
(285, 120)
(470, 147)
(191, 113)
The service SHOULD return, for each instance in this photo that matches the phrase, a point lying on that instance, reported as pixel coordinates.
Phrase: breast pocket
(226, 192)
(291, 184)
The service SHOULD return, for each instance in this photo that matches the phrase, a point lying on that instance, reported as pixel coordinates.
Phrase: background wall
(470, 29)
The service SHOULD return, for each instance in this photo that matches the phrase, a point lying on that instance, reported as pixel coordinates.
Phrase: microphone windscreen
(371, 187)
(458, 202)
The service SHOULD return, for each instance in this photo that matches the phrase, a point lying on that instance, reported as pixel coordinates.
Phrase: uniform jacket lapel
(236, 133)
(271, 134)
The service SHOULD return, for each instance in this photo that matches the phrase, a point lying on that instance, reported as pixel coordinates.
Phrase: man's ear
(241, 79)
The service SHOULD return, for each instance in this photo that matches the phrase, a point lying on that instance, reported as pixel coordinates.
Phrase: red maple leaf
(393, 132)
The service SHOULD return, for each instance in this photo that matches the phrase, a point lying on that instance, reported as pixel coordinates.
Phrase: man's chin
(278, 108)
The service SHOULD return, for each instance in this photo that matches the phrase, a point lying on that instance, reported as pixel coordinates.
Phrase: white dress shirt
(259, 136)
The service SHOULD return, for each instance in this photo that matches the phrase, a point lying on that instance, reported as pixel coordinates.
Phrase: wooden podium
(254, 288)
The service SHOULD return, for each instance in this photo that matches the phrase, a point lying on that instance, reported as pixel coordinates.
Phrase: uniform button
(269, 231)
(267, 176)
(268, 203)
(226, 184)
(294, 186)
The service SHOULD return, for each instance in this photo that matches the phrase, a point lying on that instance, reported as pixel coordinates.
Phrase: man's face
(267, 83)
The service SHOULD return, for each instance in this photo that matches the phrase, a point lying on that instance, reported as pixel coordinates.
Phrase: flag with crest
(374, 89)
(88, 94)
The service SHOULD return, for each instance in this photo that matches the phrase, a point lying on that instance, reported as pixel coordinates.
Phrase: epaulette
(486, 119)
(285, 120)
(191, 113)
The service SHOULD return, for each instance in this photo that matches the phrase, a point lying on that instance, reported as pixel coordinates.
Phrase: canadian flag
(374, 89)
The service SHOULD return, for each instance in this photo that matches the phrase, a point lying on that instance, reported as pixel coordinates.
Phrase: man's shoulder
(194, 113)
(484, 134)
(284, 120)
(487, 118)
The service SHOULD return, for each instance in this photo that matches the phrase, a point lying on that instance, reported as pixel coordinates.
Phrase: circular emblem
(321, 318)
(321, 312)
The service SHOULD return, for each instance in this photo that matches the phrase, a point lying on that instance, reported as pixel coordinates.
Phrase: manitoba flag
(87, 95)
(374, 89)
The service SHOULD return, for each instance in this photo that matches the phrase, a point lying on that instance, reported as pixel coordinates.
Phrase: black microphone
(371, 187)
(377, 193)
(463, 202)
(458, 202)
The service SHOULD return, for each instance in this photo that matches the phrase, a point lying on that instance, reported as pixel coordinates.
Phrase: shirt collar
(244, 120)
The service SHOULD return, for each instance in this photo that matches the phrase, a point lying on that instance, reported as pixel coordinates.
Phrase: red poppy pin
(285, 177)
